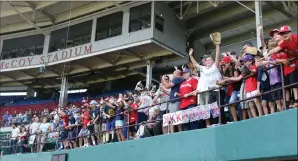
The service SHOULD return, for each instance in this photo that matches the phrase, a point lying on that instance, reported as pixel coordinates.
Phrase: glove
(216, 38)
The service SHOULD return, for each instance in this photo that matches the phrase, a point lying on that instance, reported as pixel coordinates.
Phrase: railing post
(219, 105)
(283, 88)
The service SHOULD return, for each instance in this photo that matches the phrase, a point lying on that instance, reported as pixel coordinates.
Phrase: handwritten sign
(190, 115)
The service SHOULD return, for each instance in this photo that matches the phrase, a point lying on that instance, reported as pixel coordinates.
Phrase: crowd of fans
(138, 114)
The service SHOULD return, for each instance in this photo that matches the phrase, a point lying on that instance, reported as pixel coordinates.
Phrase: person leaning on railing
(250, 84)
(174, 85)
(228, 66)
(14, 138)
(209, 75)
(22, 139)
(33, 128)
(43, 130)
(289, 45)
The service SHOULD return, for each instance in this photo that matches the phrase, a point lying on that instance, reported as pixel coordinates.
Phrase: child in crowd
(250, 84)
(119, 119)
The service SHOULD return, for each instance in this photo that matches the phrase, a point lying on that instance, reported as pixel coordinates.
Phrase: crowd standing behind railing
(243, 86)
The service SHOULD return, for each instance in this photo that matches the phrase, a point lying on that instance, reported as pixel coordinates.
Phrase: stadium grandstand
(166, 80)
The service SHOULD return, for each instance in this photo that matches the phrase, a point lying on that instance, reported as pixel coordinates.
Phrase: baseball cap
(186, 70)
(226, 59)
(205, 56)
(68, 113)
(130, 99)
(272, 32)
(247, 58)
(285, 29)
(93, 102)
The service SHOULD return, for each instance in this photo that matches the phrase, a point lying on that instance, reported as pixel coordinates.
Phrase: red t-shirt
(133, 115)
(86, 121)
(186, 87)
(290, 45)
(287, 68)
(230, 90)
(65, 120)
(251, 82)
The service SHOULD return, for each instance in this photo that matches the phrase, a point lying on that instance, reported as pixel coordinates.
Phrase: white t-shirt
(34, 126)
(146, 101)
(208, 77)
(15, 133)
(44, 127)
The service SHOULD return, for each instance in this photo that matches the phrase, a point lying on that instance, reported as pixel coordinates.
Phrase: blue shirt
(176, 87)
(119, 116)
(263, 78)
(6, 117)
(94, 113)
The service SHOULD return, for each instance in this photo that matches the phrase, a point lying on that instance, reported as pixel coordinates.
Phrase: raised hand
(260, 27)
(190, 51)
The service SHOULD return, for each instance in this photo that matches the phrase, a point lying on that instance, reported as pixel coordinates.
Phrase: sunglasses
(283, 33)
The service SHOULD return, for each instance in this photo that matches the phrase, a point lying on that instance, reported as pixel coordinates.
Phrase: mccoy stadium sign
(46, 59)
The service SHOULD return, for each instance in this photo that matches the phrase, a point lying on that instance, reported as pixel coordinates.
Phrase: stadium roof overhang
(235, 20)
(95, 68)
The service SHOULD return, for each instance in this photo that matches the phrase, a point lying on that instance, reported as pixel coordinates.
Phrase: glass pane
(146, 10)
(115, 30)
(116, 18)
(102, 34)
(159, 22)
(78, 39)
(145, 22)
(134, 13)
(86, 39)
(134, 25)
(39, 49)
(14, 53)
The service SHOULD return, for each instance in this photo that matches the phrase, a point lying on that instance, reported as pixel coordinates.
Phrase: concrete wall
(174, 33)
(270, 137)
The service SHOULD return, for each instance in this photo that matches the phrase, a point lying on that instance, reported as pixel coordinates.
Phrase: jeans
(13, 146)
(191, 125)
(21, 146)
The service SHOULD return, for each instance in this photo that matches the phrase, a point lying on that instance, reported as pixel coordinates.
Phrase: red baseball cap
(271, 33)
(285, 29)
(226, 59)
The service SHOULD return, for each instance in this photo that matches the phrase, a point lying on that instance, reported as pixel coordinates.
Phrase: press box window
(140, 17)
(159, 22)
(109, 26)
(71, 36)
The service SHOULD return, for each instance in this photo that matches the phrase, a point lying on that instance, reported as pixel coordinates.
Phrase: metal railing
(220, 105)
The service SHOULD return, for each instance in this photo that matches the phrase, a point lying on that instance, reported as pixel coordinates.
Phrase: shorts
(204, 98)
(84, 132)
(119, 123)
(276, 95)
(64, 134)
(267, 97)
(142, 117)
(291, 78)
(251, 94)
(132, 127)
(97, 128)
(174, 107)
(110, 125)
(234, 97)
(71, 135)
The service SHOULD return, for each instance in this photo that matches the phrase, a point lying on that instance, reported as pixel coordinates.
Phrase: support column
(93, 32)
(259, 20)
(150, 65)
(1, 45)
(30, 92)
(63, 91)
(108, 85)
(46, 44)
(125, 23)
